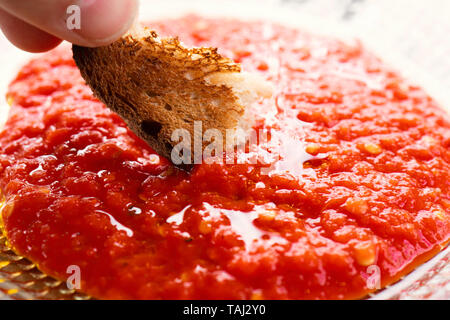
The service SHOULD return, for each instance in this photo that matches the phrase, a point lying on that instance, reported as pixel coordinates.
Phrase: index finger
(87, 23)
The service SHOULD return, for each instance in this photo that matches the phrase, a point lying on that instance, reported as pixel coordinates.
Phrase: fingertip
(104, 21)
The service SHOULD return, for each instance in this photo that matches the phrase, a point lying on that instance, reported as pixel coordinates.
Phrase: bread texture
(158, 86)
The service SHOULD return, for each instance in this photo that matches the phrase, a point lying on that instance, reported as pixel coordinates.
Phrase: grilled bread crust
(158, 86)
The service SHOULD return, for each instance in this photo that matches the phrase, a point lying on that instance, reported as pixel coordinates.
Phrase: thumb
(84, 22)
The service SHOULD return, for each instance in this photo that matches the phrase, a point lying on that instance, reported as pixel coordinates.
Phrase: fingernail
(104, 21)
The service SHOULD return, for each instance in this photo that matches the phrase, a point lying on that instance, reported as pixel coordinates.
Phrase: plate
(21, 279)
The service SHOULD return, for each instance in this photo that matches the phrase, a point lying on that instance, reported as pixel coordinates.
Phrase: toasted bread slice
(158, 86)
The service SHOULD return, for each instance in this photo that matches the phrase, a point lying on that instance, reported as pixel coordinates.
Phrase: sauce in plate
(357, 189)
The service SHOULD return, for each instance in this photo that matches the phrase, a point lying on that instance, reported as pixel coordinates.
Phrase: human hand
(40, 25)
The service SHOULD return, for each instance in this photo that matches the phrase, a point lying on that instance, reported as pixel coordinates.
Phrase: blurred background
(416, 30)
(419, 30)
(412, 35)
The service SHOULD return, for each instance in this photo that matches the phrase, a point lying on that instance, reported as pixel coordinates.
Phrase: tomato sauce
(360, 186)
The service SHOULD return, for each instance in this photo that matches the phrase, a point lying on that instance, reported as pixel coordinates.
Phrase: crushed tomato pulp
(361, 179)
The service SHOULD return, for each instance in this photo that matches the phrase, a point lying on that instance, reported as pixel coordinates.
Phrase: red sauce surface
(81, 189)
